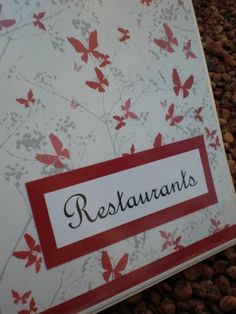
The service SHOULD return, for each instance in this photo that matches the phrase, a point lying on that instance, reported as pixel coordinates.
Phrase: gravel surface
(208, 287)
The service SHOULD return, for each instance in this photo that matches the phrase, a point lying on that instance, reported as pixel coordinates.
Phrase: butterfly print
(168, 240)
(215, 144)
(57, 159)
(100, 84)
(20, 299)
(178, 86)
(170, 116)
(164, 103)
(125, 35)
(111, 272)
(38, 17)
(187, 50)
(146, 2)
(80, 48)
(171, 40)
(126, 109)
(120, 120)
(132, 151)
(31, 254)
(217, 225)
(74, 104)
(105, 60)
(77, 67)
(27, 101)
(197, 115)
(6, 22)
(158, 140)
(210, 134)
(32, 308)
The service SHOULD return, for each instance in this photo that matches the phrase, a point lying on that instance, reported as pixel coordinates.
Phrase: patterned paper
(84, 81)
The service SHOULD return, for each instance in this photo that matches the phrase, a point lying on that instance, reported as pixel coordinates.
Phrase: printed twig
(14, 248)
(59, 96)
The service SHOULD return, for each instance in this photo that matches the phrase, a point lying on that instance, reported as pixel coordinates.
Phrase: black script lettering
(120, 204)
(111, 209)
(75, 209)
(192, 181)
(101, 212)
(164, 190)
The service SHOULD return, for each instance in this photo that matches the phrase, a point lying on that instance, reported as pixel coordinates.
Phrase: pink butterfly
(101, 82)
(6, 22)
(168, 240)
(171, 40)
(197, 115)
(38, 17)
(210, 134)
(170, 116)
(178, 86)
(132, 151)
(158, 141)
(120, 120)
(109, 270)
(80, 48)
(27, 101)
(187, 50)
(126, 109)
(216, 144)
(77, 67)
(125, 34)
(17, 298)
(57, 159)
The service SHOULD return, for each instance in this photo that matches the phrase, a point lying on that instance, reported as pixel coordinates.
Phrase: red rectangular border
(36, 190)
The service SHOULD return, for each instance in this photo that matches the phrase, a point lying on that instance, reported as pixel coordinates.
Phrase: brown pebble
(141, 308)
(135, 298)
(168, 306)
(213, 293)
(207, 271)
(220, 265)
(182, 290)
(228, 137)
(193, 273)
(228, 304)
(154, 296)
(231, 271)
(196, 305)
(226, 114)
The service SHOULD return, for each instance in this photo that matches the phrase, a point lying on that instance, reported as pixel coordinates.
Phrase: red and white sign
(87, 209)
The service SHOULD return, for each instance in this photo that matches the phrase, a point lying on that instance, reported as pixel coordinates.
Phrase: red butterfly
(101, 81)
(26, 102)
(32, 308)
(126, 107)
(168, 240)
(77, 68)
(56, 160)
(38, 17)
(92, 45)
(105, 60)
(215, 144)
(147, 2)
(197, 115)
(120, 120)
(171, 40)
(170, 116)
(17, 298)
(187, 50)
(125, 34)
(31, 254)
(132, 151)
(210, 134)
(6, 22)
(176, 244)
(158, 141)
(115, 272)
(178, 86)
